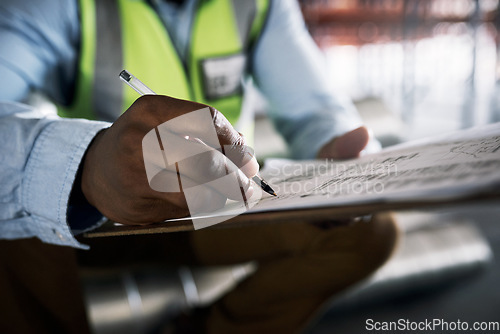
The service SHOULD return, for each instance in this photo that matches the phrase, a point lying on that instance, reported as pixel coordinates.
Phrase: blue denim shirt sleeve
(39, 153)
(39, 48)
(40, 156)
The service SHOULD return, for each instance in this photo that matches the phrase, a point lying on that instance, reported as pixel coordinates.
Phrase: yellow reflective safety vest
(128, 34)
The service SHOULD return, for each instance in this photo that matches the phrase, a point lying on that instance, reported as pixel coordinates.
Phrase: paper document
(446, 167)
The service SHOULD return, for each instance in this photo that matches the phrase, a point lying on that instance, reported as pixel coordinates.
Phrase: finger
(194, 160)
(198, 198)
(215, 170)
(243, 158)
(194, 199)
(347, 146)
(213, 129)
(153, 110)
(211, 169)
(234, 145)
(202, 198)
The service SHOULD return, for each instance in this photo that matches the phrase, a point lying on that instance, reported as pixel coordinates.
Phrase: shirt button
(59, 235)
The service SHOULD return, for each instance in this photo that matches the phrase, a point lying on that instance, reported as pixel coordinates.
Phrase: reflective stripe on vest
(137, 40)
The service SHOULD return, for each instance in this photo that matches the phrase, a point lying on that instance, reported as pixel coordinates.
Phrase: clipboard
(312, 215)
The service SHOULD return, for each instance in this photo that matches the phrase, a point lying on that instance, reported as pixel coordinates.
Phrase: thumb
(234, 145)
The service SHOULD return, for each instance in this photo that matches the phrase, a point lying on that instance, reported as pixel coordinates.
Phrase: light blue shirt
(40, 154)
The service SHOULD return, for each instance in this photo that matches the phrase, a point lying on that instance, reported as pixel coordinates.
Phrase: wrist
(86, 182)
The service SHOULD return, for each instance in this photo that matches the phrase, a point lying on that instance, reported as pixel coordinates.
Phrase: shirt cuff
(51, 170)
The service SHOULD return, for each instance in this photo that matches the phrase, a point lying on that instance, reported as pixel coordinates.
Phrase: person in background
(62, 174)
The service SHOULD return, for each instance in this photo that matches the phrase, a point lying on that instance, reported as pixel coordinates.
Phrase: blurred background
(413, 67)
(425, 59)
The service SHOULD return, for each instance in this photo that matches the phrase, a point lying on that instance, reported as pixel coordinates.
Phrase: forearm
(41, 158)
(291, 71)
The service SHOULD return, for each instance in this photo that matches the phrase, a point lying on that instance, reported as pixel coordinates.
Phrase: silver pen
(142, 89)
